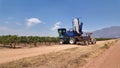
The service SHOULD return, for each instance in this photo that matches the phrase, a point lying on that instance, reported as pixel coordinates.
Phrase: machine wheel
(72, 41)
(61, 41)
(93, 40)
(86, 43)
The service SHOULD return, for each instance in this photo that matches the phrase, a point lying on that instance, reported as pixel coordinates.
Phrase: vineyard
(13, 40)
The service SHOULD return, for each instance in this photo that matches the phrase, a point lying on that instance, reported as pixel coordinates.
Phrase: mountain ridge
(109, 32)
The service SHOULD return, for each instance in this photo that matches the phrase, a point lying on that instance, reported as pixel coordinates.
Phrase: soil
(7, 55)
(109, 59)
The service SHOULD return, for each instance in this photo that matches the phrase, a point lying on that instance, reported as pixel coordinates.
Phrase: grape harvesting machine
(75, 34)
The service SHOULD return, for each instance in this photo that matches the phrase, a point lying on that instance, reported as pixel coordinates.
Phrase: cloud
(10, 18)
(6, 22)
(17, 23)
(20, 32)
(32, 21)
(56, 26)
(4, 28)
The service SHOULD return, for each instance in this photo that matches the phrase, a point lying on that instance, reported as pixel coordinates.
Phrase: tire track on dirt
(109, 59)
(7, 55)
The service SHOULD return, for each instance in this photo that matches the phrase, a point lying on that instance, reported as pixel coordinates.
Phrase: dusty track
(7, 55)
(109, 59)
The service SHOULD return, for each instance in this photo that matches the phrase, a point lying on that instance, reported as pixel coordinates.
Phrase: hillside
(110, 32)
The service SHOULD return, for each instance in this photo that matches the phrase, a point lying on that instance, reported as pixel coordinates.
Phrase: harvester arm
(78, 27)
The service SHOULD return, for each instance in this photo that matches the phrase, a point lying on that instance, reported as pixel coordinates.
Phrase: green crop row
(13, 40)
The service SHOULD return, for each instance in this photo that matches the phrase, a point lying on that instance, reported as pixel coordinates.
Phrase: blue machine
(69, 36)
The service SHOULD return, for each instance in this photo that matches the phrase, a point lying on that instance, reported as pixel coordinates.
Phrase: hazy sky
(43, 17)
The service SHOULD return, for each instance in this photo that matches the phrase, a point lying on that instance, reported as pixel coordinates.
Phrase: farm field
(57, 56)
(59, 34)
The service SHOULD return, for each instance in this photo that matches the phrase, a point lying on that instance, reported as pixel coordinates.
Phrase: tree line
(13, 40)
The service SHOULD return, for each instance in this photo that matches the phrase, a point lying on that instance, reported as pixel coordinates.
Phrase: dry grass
(63, 59)
(68, 58)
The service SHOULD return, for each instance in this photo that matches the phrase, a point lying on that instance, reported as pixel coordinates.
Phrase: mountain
(110, 32)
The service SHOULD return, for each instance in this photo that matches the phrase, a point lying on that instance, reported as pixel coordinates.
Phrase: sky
(44, 17)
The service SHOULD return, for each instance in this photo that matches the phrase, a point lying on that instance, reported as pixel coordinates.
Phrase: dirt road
(7, 55)
(109, 59)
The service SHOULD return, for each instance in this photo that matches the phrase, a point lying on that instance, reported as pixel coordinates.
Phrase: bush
(102, 39)
(106, 46)
(13, 40)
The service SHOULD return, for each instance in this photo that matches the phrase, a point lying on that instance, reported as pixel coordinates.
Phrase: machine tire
(93, 40)
(72, 41)
(86, 43)
(61, 41)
